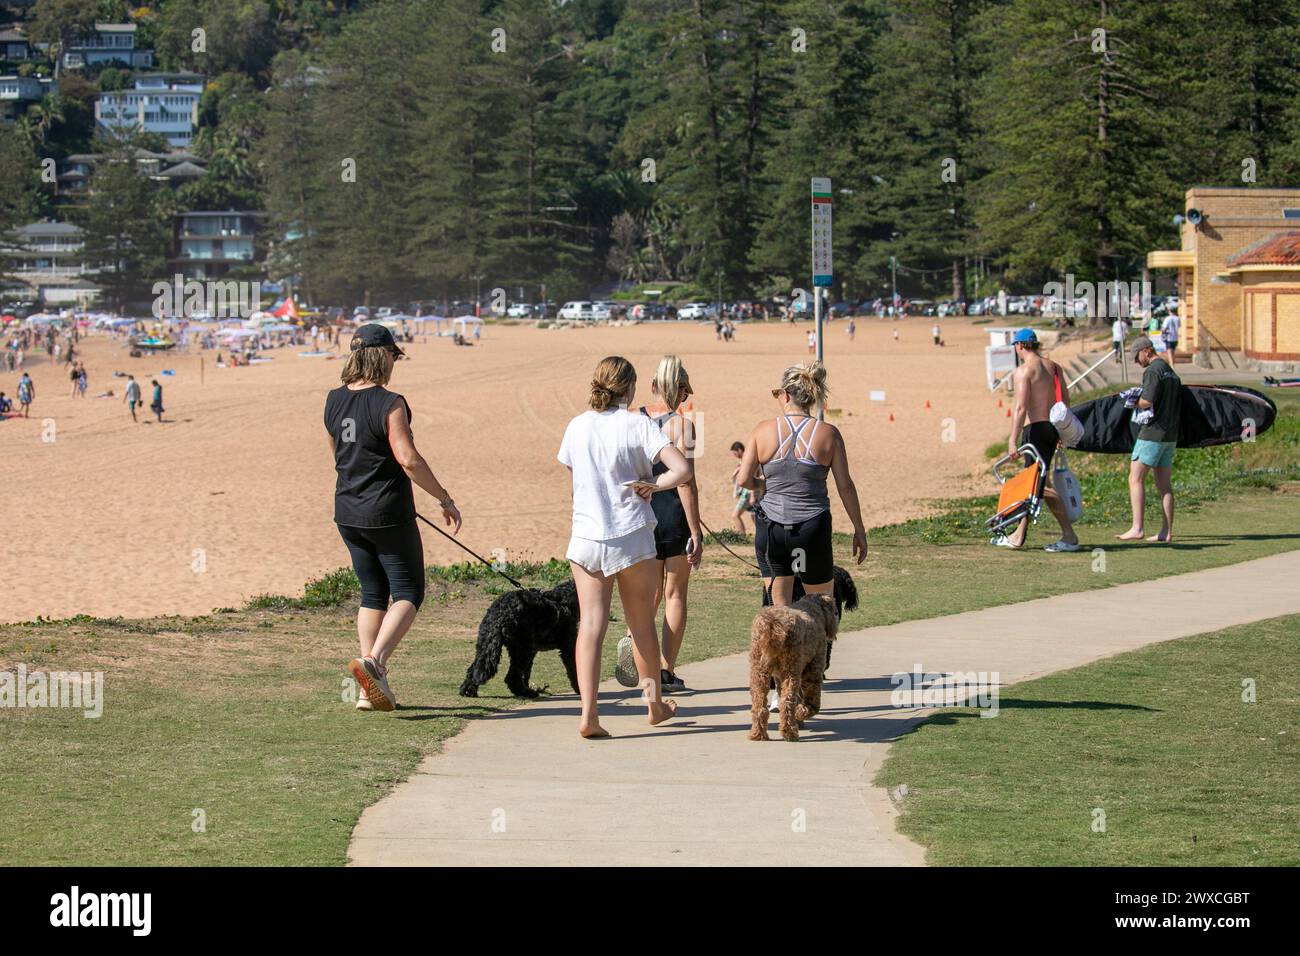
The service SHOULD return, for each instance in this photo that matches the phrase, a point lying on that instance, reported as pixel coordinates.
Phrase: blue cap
(1024, 335)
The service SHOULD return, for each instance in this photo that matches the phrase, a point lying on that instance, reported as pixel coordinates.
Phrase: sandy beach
(232, 495)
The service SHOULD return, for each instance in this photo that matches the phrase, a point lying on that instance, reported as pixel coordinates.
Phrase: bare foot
(1163, 537)
(661, 711)
(1132, 534)
(594, 732)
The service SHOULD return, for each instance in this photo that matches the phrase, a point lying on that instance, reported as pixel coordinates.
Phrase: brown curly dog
(790, 644)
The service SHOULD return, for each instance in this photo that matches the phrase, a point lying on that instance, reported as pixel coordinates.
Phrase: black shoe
(670, 683)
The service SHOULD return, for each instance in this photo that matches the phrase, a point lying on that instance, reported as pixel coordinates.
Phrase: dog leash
(722, 544)
(468, 551)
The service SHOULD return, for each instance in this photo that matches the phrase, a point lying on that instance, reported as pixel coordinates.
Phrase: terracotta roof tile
(1279, 249)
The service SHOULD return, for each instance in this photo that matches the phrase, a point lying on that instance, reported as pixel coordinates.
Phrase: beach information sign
(821, 231)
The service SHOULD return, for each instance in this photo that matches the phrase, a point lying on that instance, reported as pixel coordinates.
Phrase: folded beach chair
(1021, 494)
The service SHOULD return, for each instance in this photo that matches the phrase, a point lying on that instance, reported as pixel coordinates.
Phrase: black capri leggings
(389, 563)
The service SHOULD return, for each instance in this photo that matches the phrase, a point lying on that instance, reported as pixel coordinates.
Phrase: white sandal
(1062, 546)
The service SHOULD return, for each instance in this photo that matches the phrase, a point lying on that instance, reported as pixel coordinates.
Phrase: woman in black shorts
(792, 533)
(374, 507)
(678, 539)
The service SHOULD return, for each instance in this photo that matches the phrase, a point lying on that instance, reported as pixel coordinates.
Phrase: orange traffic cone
(1008, 413)
(927, 403)
(891, 416)
(999, 403)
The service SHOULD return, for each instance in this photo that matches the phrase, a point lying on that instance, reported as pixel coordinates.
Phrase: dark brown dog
(790, 644)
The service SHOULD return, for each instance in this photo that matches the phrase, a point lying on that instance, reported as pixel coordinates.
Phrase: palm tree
(47, 113)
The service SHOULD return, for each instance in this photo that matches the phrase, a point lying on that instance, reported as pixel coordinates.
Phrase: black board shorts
(666, 548)
(779, 548)
(671, 529)
(1044, 437)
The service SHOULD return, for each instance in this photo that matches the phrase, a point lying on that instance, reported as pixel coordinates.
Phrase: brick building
(1238, 287)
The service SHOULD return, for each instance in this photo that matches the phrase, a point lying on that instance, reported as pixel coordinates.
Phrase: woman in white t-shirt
(606, 449)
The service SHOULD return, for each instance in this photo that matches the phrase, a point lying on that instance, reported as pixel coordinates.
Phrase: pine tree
(1076, 138)
(126, 232)
(822, 127)
(930, 63)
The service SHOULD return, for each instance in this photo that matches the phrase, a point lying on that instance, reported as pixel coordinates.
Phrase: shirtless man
(1034, 381)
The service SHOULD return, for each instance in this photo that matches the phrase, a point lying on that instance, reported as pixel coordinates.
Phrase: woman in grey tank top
(796, 452)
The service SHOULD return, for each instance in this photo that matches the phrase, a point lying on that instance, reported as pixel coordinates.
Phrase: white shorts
(613, 555)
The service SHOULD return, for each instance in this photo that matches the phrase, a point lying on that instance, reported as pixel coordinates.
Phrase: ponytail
(613, 379)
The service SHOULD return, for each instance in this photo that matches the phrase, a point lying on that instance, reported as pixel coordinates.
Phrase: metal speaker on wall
(1195, 217)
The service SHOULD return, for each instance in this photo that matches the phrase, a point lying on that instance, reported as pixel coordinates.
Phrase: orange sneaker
(371, 678)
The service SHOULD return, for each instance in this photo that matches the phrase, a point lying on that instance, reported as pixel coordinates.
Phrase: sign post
(822, 201)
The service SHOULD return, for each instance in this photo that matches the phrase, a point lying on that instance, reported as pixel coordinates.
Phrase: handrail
(1201, 327)
(1088, 370)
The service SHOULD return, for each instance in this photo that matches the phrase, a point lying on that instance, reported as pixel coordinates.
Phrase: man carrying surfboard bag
(1157, 411)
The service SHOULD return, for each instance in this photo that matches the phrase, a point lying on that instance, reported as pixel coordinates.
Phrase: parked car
(696, 310)
(578, 309)
(520, 310)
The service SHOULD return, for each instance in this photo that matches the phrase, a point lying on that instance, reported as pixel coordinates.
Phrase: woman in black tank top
(374, 506)
(678, 541)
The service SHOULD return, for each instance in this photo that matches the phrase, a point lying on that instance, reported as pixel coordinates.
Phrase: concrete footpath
(522, 788)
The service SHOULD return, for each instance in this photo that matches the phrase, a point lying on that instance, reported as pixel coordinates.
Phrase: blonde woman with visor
(611, 453)
(678, 538)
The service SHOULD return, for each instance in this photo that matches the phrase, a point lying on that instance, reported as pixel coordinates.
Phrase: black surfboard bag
(1211, 415)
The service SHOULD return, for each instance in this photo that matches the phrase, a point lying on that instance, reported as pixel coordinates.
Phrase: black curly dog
(524, 622)
(846, 596)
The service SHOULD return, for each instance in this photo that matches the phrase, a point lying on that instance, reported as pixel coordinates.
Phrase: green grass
(241, 713)
(1159, 740)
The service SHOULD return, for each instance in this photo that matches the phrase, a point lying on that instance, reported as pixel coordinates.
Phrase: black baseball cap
(1141, 344)
(374, 335)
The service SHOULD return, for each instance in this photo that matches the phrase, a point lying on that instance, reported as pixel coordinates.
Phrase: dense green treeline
(405, 147)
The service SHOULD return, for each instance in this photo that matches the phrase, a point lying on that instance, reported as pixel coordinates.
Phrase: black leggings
(388, 562)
